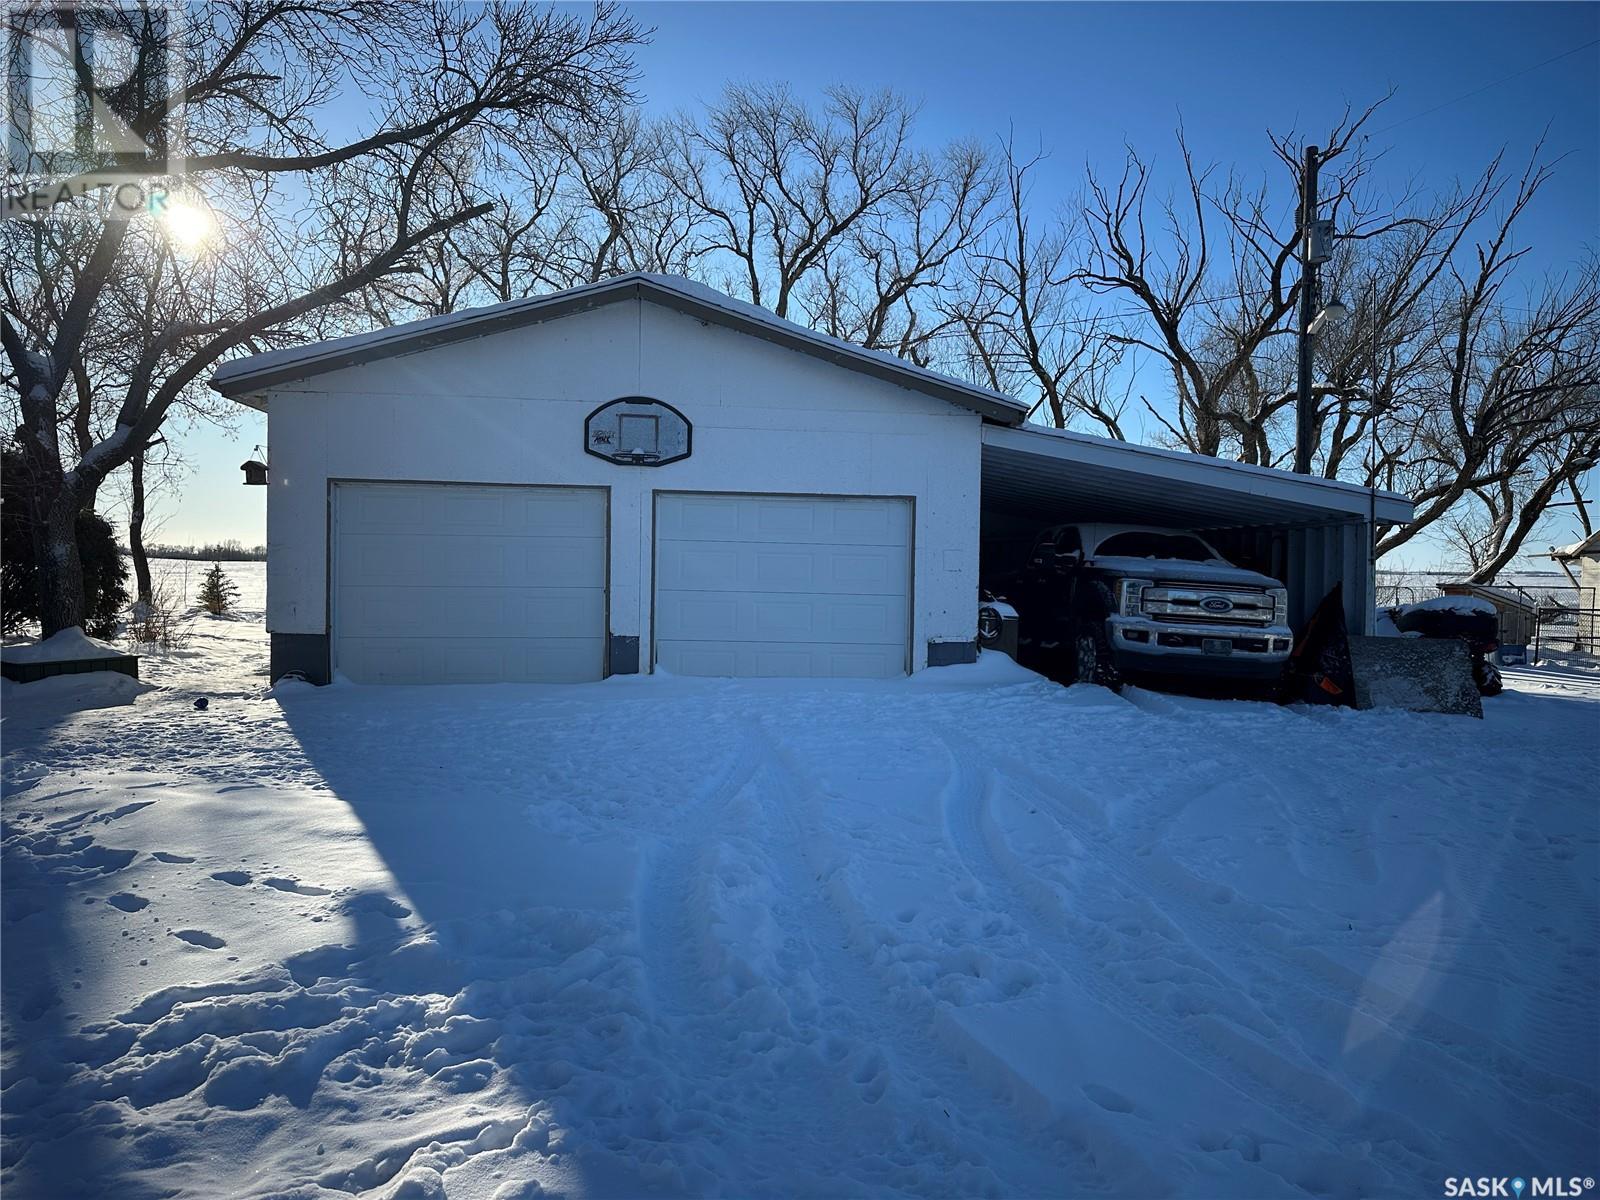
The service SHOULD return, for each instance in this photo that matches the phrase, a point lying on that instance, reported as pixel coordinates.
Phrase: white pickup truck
(1099, 602)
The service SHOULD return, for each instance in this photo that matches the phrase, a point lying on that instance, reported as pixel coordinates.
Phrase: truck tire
(1091, 658)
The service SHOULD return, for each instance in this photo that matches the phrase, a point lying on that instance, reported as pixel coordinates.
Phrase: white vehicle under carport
(1099, 602)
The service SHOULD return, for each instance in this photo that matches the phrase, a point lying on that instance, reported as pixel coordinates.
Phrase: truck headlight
(1130, 596)
(1280, 605)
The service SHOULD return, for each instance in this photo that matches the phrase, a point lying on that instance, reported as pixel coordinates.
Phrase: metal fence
(1567, 629)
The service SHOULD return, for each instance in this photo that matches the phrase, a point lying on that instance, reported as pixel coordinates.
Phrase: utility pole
(1305, 409)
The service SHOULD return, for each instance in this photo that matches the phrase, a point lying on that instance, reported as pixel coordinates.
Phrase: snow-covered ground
(964, 934)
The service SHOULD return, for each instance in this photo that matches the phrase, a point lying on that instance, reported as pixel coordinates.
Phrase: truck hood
(1179, 570)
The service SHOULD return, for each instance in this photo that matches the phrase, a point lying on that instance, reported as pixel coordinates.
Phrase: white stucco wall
(509, 408)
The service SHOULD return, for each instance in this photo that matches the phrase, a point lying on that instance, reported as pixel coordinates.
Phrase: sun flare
(188, 225)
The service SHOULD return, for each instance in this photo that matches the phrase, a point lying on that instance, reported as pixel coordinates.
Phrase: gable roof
(1589, 545)
(247, 379)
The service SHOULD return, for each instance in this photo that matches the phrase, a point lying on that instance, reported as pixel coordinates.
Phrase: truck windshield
(1156, 545)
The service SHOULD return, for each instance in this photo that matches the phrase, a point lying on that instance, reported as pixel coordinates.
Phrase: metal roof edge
(1313, 491)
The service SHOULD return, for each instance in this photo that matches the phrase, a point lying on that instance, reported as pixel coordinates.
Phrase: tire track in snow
(1353, 998)
(665, 919)
(1362, 1000)
(1229, 1051)
(911, 1059)
(761, 1032)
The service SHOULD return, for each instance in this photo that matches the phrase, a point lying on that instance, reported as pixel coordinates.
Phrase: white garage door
(782, 585)
(450, 583)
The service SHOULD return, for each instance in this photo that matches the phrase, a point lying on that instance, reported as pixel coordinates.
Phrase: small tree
(217, 592)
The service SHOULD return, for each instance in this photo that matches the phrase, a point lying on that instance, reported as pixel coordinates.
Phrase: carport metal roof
(1057, 475)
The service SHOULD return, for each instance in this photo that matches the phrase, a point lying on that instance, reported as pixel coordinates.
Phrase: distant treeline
(215, 552)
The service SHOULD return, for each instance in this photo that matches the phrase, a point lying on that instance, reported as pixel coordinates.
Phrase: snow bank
(992, 667)
(69, 645)
(70, 693)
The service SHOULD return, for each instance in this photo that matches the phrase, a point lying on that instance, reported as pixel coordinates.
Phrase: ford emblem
(1217, 604)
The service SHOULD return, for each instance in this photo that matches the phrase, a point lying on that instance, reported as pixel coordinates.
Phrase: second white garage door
(455, 583)
(782, 585)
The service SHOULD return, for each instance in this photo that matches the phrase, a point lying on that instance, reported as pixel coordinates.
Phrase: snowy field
(965, 934)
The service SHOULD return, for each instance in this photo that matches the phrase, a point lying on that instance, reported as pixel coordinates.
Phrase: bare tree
(1029, 328)
(444, 81)
(1209, 272)
(619, 211)
(1473, 396)
(886, 284)
(1513, 419)
(779, 186)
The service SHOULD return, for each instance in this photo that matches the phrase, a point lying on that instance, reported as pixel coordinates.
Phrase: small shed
(1518, 613)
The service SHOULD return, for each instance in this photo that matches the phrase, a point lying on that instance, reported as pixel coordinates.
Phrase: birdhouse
(255, 473)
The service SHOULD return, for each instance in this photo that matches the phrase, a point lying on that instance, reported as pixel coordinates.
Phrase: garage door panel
(754, 585)
(779, 660)
(711, 616)
(451, 509)
(486, 612)
(463, 583)
(749, 566)
(396, 559)
(785, 520)
(467, 660)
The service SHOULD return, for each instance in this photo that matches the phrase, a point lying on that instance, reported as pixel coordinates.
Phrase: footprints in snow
(199, 937)
(128, 902)
(376, 902)
(283, 883)
(302, 889)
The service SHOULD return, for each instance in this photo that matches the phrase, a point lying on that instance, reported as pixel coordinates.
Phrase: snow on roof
(244, 378)
(1589, 545)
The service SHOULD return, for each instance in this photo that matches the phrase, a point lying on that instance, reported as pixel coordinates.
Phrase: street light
(1334, 310)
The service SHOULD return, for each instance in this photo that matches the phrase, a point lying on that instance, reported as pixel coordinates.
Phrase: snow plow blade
(1416, 674)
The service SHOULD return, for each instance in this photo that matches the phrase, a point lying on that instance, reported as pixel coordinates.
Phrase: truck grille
(1208, 606)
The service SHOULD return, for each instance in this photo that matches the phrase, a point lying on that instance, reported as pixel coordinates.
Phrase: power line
(1480, 90)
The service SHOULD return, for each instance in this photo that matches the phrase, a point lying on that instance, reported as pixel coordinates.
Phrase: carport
(1307, 531)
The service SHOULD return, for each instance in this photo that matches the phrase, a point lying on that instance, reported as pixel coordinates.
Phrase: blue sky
(1081, 79)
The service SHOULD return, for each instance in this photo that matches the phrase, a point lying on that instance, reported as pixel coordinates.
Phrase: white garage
(451, 583)
(761, 585)
(634, 474)
(646, 473)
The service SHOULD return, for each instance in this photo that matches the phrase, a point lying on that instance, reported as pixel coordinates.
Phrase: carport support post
(1305, 411)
